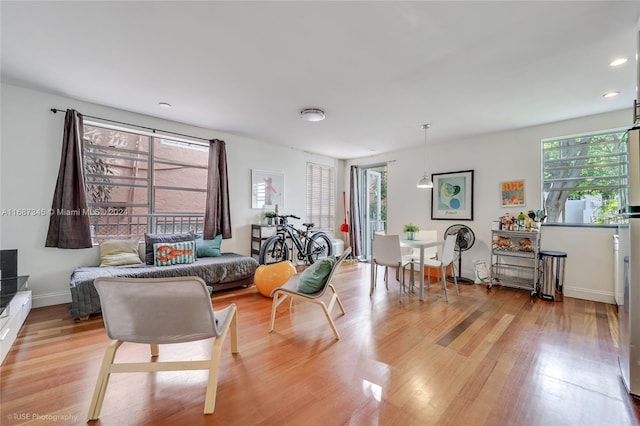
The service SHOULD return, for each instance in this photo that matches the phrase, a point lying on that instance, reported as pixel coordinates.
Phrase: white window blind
(321, 196)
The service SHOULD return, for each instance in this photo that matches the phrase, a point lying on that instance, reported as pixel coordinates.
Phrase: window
(583, 177)
(321, 196)
(138, 182)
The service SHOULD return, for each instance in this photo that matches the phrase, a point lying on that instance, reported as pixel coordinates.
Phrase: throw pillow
(119, 252)
(314, 277)
(151, 239)
(165, 254)
(208, 248)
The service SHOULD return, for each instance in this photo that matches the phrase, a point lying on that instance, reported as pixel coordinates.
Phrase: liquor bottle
(521, 222)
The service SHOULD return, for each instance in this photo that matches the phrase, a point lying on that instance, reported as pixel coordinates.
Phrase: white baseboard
(50, 299)
(587, 294)
(59, 298)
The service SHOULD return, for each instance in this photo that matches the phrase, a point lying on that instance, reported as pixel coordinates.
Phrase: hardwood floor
(493, 357)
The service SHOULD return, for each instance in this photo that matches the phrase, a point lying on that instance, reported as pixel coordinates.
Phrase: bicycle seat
(308, 225)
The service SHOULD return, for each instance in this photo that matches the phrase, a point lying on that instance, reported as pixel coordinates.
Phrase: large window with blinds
(321, 196)
(138, 182)
(584, 176)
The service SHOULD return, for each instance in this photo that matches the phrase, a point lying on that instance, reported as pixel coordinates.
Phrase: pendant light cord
(424, 181)
(425, 127)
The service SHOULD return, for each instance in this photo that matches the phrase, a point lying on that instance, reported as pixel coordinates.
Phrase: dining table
(421, 244)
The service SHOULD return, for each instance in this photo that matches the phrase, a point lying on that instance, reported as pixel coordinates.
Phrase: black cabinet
(259, 234)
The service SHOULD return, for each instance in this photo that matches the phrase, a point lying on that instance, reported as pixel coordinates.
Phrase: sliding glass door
(374, 197)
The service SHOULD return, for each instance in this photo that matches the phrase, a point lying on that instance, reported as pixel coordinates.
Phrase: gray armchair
(160, 311)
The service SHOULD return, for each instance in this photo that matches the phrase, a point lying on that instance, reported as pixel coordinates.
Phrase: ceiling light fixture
(312, 114)
(611, 94)
(425, 181)
(618, 61)
(164, 104)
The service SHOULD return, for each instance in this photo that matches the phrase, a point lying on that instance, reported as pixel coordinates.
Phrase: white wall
(496, 158)
(31, 140)
(1, 150)
(590, 261)
(30, 145)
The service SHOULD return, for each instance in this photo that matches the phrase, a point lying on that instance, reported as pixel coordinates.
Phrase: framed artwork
(512, 193)
(452, 195)
(267, 189)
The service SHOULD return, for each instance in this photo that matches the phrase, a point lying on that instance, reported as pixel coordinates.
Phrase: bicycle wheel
(318, 245)
(274, 250)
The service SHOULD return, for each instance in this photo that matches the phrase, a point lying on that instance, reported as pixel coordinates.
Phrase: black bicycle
(311, 244)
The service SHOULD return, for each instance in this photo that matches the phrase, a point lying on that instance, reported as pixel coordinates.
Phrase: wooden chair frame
(289, 289)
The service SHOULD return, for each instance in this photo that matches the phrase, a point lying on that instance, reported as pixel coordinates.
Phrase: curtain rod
(56, 110)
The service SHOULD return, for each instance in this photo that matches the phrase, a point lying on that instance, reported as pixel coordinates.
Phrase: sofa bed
(219, 270)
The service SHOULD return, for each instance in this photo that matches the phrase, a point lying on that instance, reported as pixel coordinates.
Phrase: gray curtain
(355, 231)
(217, 216)
(69, 226)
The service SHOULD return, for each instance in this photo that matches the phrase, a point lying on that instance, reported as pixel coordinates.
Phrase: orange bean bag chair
(268, 277)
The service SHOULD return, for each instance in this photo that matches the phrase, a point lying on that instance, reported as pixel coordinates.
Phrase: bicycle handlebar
(289, 215)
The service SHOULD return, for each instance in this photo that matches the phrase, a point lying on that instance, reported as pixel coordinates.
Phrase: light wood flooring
(493, 357)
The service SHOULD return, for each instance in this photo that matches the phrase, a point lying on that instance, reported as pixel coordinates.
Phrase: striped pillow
(165, 254)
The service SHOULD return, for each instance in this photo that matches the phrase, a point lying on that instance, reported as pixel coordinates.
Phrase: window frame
(587, 161)
(115, 215)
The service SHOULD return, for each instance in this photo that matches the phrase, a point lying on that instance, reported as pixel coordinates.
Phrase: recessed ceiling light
(617, 62)
(312, 114)
(611, 94)
(164, 104)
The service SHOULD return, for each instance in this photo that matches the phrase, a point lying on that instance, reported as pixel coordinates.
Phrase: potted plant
(269, 216)
(411, 229)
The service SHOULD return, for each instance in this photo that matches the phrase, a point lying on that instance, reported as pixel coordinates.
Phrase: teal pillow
(209, 248)
(314, 277)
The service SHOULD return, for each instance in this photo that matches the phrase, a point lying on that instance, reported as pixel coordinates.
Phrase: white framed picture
(267, 189)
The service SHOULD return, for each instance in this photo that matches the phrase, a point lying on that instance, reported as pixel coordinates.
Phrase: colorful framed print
(512, 193)
(452, 196)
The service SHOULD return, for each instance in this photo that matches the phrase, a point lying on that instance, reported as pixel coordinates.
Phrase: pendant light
(425, 181)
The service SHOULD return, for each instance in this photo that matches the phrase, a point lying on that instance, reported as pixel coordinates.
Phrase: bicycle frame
(297, 236)
(309, 243)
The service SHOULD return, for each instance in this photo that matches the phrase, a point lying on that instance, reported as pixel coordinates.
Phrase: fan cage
(462, 232)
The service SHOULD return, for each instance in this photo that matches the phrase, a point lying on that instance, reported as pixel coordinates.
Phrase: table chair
(413, 257)
(386, 251)
(448, 256)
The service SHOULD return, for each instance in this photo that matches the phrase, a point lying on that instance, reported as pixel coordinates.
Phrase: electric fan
(464, 240)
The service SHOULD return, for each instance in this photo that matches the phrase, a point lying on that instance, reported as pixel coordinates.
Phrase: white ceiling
(379, 69)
